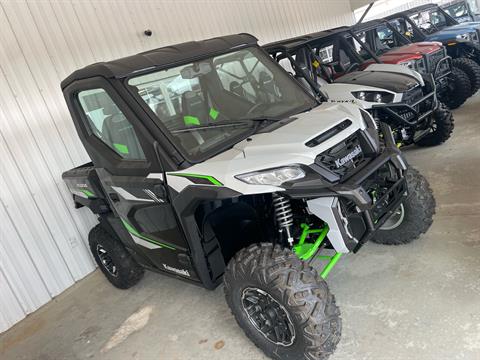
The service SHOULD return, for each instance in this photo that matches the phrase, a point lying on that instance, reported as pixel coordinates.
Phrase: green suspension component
(307, 250)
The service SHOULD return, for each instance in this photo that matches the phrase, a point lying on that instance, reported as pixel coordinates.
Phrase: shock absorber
(283, 215)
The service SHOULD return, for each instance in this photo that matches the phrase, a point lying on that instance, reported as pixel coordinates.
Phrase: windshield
(457, 10)
(430, 21)
(207, 105)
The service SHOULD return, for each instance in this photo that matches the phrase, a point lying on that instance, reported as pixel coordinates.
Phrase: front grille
(475, 36)
(345, 158)
(410, 98)
(412, 95)
(434, 59)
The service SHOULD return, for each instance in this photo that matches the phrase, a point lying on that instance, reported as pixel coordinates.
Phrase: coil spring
(283, 211)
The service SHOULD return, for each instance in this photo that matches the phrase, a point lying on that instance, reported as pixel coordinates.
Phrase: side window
(109, 124)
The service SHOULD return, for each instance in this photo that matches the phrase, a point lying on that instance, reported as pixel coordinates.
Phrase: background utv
(431, 23)
(329, 64)
(211, 164)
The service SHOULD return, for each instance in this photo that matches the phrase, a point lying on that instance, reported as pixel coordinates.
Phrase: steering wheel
(352, 67)
(255, 107)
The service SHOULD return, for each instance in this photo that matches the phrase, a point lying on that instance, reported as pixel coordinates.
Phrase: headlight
(420, 66)
(410, 64)
(464, 37)
(374, 96)
(273, 177)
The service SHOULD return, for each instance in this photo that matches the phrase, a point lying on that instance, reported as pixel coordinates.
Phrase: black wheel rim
(106, 261)
(268, 316)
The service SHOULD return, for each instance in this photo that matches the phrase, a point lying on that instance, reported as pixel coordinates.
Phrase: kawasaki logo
(175, 270)
(349, 157)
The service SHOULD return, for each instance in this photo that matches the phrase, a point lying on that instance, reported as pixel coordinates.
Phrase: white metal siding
(383, 8)
(43, 239)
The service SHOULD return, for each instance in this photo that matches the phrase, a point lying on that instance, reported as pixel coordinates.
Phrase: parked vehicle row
(220, 161)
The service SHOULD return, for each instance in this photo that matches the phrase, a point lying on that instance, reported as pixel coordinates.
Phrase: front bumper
(349, 230)
(408, 114)
(442, 77)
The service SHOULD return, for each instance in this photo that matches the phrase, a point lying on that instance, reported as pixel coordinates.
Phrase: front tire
(417, 217)
(459, 89)
(116, 263)
(282, 304)
(442, 128)
(472, 69)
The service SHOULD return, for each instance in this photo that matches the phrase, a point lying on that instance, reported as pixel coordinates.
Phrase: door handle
(114, 197)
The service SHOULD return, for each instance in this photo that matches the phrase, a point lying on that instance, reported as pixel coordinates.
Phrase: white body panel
(282, 147)
(322, 207)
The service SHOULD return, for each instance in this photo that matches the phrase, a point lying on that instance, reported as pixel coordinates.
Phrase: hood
(395, 82)
(451, 32)
(292, 137)
(281, 147)
(409, 52)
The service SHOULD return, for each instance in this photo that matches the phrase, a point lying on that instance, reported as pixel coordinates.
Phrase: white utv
(329, 65)
(211, 164)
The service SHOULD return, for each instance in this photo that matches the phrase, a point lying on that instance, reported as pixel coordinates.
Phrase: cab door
(125, 157)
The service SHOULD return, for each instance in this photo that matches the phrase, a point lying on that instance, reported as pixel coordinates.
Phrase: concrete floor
(419, 301)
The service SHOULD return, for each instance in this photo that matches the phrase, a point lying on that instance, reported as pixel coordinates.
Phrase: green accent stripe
(88, 193)
(122, 149)
(134, 231)
(191, 120)
(199, 176)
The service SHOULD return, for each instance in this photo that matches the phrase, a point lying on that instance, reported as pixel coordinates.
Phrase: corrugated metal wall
(383, 8)
(43, 239)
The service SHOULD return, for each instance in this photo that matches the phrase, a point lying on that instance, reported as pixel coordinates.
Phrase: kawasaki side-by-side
(211, 164)
(430, 22)
(328, 63)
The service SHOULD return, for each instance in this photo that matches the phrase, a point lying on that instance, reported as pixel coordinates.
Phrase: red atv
(378, 41)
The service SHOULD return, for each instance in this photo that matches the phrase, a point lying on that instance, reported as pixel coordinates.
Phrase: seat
(303, 61)
(119, 133)
(194, 109)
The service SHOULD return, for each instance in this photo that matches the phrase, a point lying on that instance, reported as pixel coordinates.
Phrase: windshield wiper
(255, 120)
(208, 126)
(261, 119)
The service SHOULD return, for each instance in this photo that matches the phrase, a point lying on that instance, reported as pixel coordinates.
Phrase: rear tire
(459, 89)
(472, 69)
(444, 125)
(119, 267)
(419, 208)
(301, 302)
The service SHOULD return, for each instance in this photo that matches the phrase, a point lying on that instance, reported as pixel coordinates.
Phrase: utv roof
(367, 25)
(161, 57)
(296, 42)
(412, 11)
